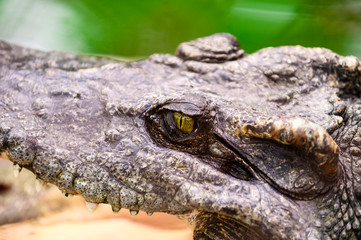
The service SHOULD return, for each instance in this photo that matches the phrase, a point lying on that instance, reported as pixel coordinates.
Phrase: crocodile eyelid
(310, 137)
(185, 108)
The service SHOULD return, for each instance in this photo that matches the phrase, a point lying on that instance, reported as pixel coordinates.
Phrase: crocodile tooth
(149, 213)
(115, 209)
(133, 212)
(39, 184)
(17, 169)
(91, 206)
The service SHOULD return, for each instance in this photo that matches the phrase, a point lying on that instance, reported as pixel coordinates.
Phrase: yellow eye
(183, 122)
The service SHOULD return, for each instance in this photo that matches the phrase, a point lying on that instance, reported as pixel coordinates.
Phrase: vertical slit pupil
(180, 122)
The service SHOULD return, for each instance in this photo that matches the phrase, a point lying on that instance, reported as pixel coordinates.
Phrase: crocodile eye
(183, 122)
(178, 124)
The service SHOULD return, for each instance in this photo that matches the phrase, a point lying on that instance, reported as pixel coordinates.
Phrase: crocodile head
(260, 146)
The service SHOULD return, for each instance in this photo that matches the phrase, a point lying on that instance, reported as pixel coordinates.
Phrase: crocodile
(244, 146)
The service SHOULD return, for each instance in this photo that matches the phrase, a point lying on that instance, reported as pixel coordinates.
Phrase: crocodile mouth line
(256, 173)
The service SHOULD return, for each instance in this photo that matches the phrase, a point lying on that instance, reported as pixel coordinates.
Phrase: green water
(140, 28)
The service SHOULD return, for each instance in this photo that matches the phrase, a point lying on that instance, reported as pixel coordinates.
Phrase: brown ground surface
(67, 219)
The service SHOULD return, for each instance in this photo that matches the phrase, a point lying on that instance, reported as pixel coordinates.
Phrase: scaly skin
(274, 154)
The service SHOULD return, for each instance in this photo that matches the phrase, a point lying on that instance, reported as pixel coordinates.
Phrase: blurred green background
(143, 27)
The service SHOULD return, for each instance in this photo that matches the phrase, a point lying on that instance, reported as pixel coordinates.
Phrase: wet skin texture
(274, 151)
